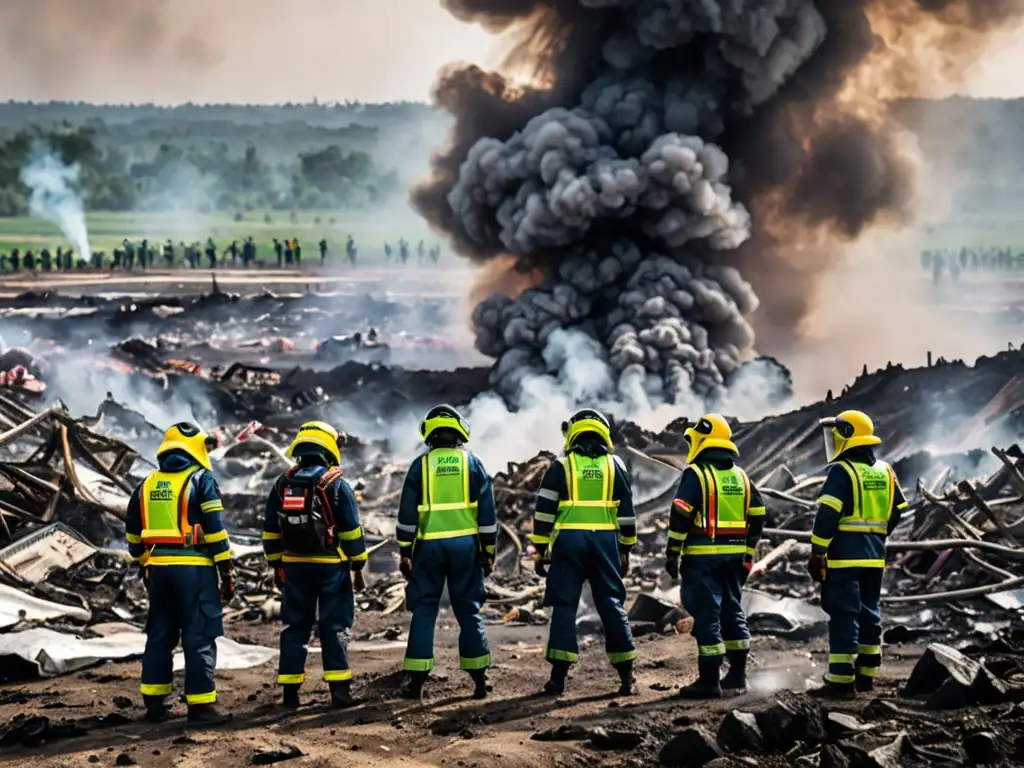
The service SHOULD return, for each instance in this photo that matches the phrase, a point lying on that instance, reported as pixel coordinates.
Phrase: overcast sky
(266, 50)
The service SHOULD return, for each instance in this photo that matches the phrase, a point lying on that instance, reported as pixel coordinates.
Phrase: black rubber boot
(627, 683)
(735, 680)
(707, 685)
(864, 684)
(341, 694)
(480, 682)
(412, 688)
(837, 691)
(556, 685)
(290, 695)
(206, 716)
(156, 710)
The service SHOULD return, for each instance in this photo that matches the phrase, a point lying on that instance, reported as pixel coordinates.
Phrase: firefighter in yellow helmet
(715, 523)
(858, 507)
(314, 542)
(446, 533)
(175, 534)
(584, 526)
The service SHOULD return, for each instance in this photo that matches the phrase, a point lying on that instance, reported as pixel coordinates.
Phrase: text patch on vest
(874, 480)
(592, 473)
(162, 492)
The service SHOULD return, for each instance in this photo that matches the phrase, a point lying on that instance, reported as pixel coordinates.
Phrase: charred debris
(955, 577)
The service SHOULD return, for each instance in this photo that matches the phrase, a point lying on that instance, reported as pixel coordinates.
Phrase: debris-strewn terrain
(72, 610)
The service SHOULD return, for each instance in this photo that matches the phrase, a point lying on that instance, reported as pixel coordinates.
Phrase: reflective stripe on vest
(446, 511)
(163, 502)
(873, 489)
(726, 494)
(591, 484)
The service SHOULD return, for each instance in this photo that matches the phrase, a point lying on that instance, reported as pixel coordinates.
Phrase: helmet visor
(831, 437)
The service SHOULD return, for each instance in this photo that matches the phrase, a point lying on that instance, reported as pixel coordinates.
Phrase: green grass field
(108, 230)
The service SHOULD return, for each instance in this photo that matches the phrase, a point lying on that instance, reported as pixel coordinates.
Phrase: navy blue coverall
(852, 591)
(184, 600)
(454, 560)
(310, 581)
(579, 556)
(712, 583)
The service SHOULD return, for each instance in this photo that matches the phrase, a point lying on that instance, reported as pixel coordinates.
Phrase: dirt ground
(448, 728)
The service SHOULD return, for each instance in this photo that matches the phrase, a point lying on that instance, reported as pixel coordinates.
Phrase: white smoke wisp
(575, 373)
(54, 197)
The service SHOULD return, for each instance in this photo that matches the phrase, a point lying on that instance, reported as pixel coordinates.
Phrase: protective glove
(487, 562)
(227, 580)
(358, 582)
(672, 566)
(405, 567)
(624, 563)
(817, 567)
(540, 566)
(279, 577)
(748, 564)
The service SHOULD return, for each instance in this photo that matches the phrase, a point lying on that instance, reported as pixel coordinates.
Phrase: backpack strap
(326, 480)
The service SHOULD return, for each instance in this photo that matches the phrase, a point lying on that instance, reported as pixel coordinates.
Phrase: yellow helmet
(712, 431)
(850, 429)
(190, 439)
(443, 417)
(583, 421)
(319, 434)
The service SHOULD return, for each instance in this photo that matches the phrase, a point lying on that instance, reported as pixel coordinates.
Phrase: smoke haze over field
(176, 51)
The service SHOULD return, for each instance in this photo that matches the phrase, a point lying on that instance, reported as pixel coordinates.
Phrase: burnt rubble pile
(796, 730)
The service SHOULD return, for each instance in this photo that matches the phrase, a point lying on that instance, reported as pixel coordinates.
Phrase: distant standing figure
(289, 254)
(211, 253)
(279, 252)
(323, 251)
(387, 253)
(296, 251)
(421, 249)
(350, 250)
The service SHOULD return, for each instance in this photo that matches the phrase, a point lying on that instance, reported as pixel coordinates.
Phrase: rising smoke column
(627, 178)
(54, 197)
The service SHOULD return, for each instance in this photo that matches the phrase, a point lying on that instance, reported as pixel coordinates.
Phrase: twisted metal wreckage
(65, 485)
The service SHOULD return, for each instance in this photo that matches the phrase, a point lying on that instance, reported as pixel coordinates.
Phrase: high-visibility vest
(164, 504)
(591, 484)
(724, 513)
(446, 511)
(873, 489)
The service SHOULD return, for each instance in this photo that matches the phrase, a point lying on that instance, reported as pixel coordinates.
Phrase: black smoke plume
(665, 153)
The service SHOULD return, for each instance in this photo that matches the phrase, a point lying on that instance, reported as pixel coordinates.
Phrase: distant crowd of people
(951, 264)
(145, 255)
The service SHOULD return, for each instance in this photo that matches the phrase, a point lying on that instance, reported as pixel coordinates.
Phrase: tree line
(186, 174)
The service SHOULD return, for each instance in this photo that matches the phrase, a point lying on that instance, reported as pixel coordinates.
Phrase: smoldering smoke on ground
(611, 178)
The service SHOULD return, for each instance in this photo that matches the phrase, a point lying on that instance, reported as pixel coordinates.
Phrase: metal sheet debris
(57, 653)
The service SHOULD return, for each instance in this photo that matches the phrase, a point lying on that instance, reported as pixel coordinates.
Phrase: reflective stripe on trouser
(852, 599)
(306, 587)
(184, 603)
(579, 557)
(711, 593)
(434, 561)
